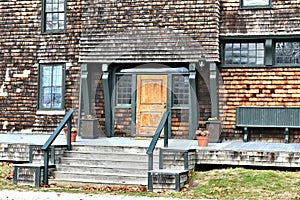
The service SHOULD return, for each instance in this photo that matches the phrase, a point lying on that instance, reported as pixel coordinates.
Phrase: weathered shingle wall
(22, 48)
(282, 18)
(149, 31)
(257, 87)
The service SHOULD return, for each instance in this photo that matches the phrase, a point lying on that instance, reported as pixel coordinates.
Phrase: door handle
(165, 105)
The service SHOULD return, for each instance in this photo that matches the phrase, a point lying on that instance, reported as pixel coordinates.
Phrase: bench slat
(268, 117)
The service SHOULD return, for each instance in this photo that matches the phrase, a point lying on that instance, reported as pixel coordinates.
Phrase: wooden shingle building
(122, 63)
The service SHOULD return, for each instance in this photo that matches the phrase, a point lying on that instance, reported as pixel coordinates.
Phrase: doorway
(151, 103)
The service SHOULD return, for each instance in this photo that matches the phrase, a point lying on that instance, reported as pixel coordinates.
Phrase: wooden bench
(268, 117)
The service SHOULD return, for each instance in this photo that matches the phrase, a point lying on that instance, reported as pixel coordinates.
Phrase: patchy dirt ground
(26, 195)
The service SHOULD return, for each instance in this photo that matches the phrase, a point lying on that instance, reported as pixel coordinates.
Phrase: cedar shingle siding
(137, 31)
(282, 18)
(22, 49)
(149, 31)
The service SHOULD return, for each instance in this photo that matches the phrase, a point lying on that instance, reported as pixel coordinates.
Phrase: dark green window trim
(180, 91)
(236, 53)
(270, 50)
(53, 17)
(51, 87)
(123, 90)
(287, 52)
(250, 4)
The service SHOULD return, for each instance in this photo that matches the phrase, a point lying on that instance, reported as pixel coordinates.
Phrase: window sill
(51, 112)
(255, 7)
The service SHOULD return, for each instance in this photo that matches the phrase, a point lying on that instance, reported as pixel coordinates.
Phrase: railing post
(166, 133)
(46, 162)
(69, 133)
(150, 161)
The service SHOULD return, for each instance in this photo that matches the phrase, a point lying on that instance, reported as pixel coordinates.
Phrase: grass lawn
(229, 183)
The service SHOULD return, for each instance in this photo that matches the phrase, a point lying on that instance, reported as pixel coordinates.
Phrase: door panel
(151, 103)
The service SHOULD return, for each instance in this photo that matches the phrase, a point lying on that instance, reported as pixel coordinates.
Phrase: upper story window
(54, 16)
(244, 53)
(51, 87)
(255, 3)
(287, 52)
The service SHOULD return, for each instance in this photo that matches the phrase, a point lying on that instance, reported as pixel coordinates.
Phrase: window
(124, 90)
(180, 90)
(54, 16)
(244, 53)
(287, 52)
(51, 87)
(255, 3)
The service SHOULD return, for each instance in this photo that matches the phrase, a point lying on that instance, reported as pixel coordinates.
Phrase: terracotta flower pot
(202, 141)
(73, 134)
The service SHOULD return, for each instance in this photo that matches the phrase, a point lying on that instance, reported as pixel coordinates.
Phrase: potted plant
(202, 137)
(73, 134)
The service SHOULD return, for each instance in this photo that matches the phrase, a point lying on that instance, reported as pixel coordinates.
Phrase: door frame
(193, 108)
(140, 107)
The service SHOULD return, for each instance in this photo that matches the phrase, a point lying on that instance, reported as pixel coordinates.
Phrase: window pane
(55, 25)
(244, 53)
(49, 17)
(244, 46)
(48, 7)
(287, 52)
(228, 46)
(56, 97)
(54, 16)
(260, 61)
(255, 2)
(124, 89)
(46, 98)
(61, 16)
(55, 7)
(61, 25)
(61, 7)
(180, 90)
(51, 91)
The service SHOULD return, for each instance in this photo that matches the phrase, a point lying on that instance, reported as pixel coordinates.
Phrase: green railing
(163, 124)
(66, 120)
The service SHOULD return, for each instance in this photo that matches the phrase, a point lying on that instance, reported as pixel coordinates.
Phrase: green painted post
(46, 162)
(169, 104)
(69, 134)
(269, 52)
(213, 90)
(107, 106)
(133, 106)
(193, 114)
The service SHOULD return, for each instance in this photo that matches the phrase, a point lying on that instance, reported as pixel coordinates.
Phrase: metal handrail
(162, 125)
(46, 146)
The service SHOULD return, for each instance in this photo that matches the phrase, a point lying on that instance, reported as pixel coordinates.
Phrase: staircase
(103, 165)
(174, 168)
(31, 172)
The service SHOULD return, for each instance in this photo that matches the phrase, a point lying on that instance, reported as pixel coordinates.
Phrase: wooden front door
(151, 103)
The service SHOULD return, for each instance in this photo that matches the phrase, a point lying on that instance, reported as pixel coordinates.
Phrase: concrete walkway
(180, 144)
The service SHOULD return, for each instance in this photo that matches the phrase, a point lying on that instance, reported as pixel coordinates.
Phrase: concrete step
(77, 183)
(105, 162)
(116, 178)
(104, 165)
(136, 170)
(111, 149)
(107, 155)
